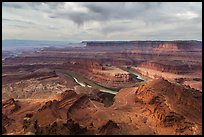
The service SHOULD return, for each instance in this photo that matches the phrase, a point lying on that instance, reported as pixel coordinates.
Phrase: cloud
(150, 13)
(18, 21)
(84, 12)
(13, 5)
(107, 20)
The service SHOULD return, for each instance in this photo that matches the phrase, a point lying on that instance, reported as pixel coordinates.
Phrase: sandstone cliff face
(179, 46)
(173, 108)
(158, 45)
(168, 46)
(83, 66)
(176, 67)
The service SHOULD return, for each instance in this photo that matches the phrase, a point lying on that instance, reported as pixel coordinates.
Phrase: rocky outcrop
(10, 106)
(110, 128)
(54, 120)
(112, 74)
(83, 100)
(75, 128)
(172, 106)
(6, 121)
(58, 127)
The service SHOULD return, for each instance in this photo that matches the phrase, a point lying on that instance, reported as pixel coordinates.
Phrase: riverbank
(137, 74)
(85, 82)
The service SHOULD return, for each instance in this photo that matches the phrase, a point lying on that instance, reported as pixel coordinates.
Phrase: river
(138, 76)
(102, 90)
(85, 82)
(134, 73)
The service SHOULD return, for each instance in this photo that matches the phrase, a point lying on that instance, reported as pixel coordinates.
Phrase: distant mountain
(9, 45)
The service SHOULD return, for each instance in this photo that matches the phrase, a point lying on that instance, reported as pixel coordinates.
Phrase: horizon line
(98, 40)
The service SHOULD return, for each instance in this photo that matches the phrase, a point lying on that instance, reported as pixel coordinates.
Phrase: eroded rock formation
(170, 104)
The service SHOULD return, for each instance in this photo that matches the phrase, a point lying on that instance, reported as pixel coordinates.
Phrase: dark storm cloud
(150, 13)
(108, 11)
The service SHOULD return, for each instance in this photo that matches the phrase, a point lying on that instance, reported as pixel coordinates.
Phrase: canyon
(104, 88)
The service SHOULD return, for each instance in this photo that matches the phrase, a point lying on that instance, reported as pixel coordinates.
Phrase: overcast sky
(77, 21)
